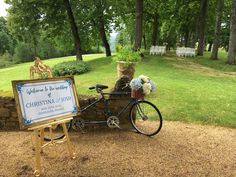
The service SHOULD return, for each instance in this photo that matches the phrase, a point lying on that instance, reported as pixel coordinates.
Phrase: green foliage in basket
(127, 54)
(70, 68)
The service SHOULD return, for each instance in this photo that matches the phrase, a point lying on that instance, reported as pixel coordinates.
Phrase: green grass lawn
(186, 90)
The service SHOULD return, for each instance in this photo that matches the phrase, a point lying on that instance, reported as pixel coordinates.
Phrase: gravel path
(180, 149)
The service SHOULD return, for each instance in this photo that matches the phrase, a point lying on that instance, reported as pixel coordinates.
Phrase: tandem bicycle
(144, 116)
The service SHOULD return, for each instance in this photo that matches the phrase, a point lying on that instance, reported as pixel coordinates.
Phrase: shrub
(6, 60)
(70, 68)
(4, 64)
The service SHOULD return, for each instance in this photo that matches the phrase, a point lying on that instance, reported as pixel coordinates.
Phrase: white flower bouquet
(142, 84)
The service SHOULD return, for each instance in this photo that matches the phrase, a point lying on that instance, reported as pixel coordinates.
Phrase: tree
(219, 13)
(29, 19)
(138, 24)
(185, 21)
(6, 41)
(68, 23)
(155, 29)
(152, 20)
(201, 26)
(175, 23)
(94, 18)
(74, 30)
(101, 7)
(123, 37)
(232, 40)
(124, 13)
(24, 21)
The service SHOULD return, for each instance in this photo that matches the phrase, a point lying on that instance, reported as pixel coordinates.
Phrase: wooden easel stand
(40, 144)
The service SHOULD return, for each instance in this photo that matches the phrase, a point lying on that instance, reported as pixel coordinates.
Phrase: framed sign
(43, 101)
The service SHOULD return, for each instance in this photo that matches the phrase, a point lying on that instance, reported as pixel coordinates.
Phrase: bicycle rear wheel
(57, 132)
(145, 118)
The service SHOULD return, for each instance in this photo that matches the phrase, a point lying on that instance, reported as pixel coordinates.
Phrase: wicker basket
(138, 94)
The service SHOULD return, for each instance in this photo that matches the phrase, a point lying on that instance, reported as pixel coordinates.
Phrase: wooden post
(37, 171)
(50, 134)
(72, 154)
(41, 139)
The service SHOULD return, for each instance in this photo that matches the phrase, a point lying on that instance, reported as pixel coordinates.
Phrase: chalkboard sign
(43, 101)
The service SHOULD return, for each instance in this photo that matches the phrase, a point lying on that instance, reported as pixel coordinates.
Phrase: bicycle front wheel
(146, 118)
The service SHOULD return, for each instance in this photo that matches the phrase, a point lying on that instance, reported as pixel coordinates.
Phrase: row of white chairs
(157, 50)
(185, 52)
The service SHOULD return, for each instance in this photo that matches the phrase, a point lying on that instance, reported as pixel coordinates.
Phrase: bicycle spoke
(146, 118)
(141, 112)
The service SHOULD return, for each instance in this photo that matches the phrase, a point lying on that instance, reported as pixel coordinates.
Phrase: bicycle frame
(131, 102)
(107, 112)
(112, 120)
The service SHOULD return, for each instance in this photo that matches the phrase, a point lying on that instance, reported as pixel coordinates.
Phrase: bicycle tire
(57, 132)
(146, 118)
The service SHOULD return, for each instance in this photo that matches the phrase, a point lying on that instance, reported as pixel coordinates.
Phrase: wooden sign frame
(36, 89)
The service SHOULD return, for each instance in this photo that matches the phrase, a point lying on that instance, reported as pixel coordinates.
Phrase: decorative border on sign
(19, 87)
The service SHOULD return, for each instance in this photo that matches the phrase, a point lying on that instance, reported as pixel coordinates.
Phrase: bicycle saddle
(98, 86)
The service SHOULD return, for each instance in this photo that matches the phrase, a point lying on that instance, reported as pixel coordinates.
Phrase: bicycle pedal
(117, 126)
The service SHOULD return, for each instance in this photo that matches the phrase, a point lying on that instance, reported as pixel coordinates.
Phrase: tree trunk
(181, 40)
(104, 38)
(191, 38)
(201, 26)
(155, 29)
(195, 35)
(227, 48)
(219, 13)
(101, 26)
(232, 38)
(74, 30)
(138, 24)
(98, 47)
(210, 46)
(131, 40)
(144, 42)
(35, 46)
(186, 38)
(103, 35)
